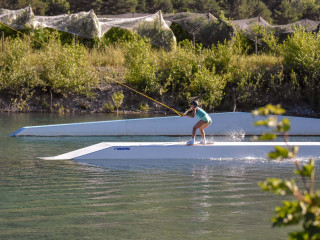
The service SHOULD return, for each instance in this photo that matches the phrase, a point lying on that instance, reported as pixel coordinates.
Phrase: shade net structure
(162, 30)
(282, 31)
(204, 27)
(88, 25)
(17, 19)
(247, 24)
(83, 24)
(251, 28)
(150, 26)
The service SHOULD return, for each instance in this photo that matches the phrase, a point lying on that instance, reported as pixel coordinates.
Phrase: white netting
(184, 19)
(150, 26)
(249, 27)
(130, 23)
(83, 24)
(88, 25)
(247, 24)
(206, 28)
(17, 19)
(308, 24)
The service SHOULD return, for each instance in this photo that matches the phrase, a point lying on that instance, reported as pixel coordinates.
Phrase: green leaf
(316, 198)
(272, 122)
(261, 123)
(268, 110)
(267, 136)
(293, 151)
(279, 153)
(284, 125)
(303, 235)
(307, 169)
(277, 110)
(255, 112)
(269, 122)
(315, 236)
(288, 214)
(279, 186)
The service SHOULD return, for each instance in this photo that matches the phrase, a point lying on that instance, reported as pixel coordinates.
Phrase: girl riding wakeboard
(205, 121)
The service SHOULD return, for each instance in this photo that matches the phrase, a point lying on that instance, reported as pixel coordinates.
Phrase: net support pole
(160, 14)
(194, 41)
(256, 44)
(2, 41)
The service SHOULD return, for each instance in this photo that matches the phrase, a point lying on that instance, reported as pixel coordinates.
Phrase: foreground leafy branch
(305, 209)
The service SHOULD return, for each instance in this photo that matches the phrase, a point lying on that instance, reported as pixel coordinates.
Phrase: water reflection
(126, 199)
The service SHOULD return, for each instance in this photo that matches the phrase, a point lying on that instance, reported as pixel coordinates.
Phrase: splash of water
(236, 136)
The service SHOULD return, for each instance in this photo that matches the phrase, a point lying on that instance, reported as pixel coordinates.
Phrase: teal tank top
(203, 115)
(200, 113)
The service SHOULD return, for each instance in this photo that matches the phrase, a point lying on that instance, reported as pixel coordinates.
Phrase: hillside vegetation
(223, 77)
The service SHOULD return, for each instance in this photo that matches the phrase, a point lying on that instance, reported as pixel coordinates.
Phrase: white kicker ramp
(223, 124)
(176, 150)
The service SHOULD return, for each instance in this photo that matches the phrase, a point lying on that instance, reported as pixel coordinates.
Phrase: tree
(141, 6)
(272, 4)
(8, 4)
(56, 7)
(288, 11)
(231, 8)
(262, 10)
(84, 5)
(205, 6)
(180, 5)
(38, 7)
(118, 6)
(311, 10)
(253, 8)
(156, 5)
(117, 98)
(164, 5)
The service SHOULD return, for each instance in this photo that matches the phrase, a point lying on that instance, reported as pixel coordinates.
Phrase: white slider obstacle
(224, 124)
(176, 150)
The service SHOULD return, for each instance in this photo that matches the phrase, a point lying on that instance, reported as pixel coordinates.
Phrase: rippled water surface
(155, 199)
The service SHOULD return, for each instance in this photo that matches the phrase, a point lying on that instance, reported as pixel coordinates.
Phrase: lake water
(185, 199)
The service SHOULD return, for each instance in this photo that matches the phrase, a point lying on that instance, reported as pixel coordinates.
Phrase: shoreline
(101, 102)
(292, 113)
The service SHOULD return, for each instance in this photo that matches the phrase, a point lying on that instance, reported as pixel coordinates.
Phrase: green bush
(19, 66)
(64, 68)
(8, 32)
(117, 98)
(57, 68)
(108, 107)
(301, 54)
(144, 107)
(141, 67)
(116, 35)
(209, 87)
(180, 33)
(159, 35)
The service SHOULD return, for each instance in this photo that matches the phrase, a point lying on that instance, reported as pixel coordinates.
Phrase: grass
(109, 56)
